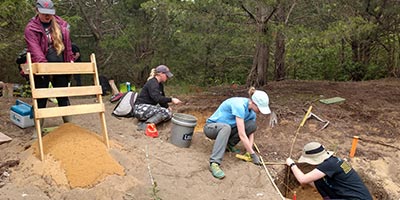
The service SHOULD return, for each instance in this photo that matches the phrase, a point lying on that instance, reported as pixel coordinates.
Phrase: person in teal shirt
(232, 122)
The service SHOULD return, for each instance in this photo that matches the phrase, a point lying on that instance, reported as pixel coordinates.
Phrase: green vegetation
(213, 42)
(154, 192)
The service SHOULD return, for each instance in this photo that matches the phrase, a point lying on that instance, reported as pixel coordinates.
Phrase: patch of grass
(154, 192)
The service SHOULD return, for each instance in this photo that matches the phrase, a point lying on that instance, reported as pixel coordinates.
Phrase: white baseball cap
(260, 98)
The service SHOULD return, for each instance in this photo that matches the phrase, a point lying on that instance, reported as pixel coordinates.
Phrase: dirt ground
(371, 110)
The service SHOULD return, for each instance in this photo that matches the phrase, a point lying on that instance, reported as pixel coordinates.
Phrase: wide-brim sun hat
(314, 153)
(45, 7)
(260, 98)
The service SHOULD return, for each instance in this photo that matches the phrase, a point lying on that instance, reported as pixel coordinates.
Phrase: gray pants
(223, 135)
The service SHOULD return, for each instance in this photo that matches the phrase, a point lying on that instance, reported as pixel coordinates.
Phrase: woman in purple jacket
(48, 40)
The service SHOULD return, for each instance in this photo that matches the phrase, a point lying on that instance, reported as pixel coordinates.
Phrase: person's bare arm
(113, 87)
(76, 55)
(308, 178)
(175, 101)
(242, 135)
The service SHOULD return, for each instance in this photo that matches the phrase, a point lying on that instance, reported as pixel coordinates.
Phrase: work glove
(289, 161)
(273, 119)
(256, 159)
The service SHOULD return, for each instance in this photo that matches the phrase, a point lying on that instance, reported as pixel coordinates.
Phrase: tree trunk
(257, 75)
(280, 45)
(361, 57)
(396, 57)
(354, 49)
(280, 56)
(365, 49)
(342, 57)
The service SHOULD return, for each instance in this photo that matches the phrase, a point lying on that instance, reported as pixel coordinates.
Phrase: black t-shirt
(52, 55)
(153, 93)
(341, 181)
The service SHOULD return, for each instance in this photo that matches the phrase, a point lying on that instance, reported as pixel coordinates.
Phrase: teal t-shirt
(232, 108)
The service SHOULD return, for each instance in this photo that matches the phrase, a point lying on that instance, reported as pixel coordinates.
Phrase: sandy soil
(156, 169)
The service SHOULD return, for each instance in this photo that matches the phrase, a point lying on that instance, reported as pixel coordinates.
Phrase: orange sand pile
(82, 154)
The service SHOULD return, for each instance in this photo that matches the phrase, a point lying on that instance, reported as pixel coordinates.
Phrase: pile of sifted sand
(82, 155)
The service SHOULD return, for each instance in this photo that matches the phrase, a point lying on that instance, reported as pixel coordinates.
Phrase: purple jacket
(36, 40)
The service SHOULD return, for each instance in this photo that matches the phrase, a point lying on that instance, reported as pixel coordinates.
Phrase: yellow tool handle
(305, 117)
(244, 157)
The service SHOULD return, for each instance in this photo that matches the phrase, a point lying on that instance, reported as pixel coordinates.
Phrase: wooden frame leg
(39, 136)
(104, 127)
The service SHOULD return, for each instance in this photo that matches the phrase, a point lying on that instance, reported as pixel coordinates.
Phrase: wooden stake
(293, 141)
(376, 142)
(353, 146)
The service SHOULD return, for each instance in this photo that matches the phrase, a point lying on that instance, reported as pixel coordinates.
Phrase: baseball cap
(164, 69)
(260, 98)
(45, 7)
(314, 153)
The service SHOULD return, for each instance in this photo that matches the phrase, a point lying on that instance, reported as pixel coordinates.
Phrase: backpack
(124, 107)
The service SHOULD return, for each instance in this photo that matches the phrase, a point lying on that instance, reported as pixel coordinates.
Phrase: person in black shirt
(151, 105)
(333, 177)
(77, 57)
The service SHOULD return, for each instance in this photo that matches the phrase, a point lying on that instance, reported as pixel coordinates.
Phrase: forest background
(212, 42)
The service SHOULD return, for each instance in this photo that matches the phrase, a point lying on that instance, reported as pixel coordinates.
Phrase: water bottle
(128, 86)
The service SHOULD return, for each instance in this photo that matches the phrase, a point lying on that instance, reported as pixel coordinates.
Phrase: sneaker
(141, 126)
(232, 149)
(216, 171)
(116, 97)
